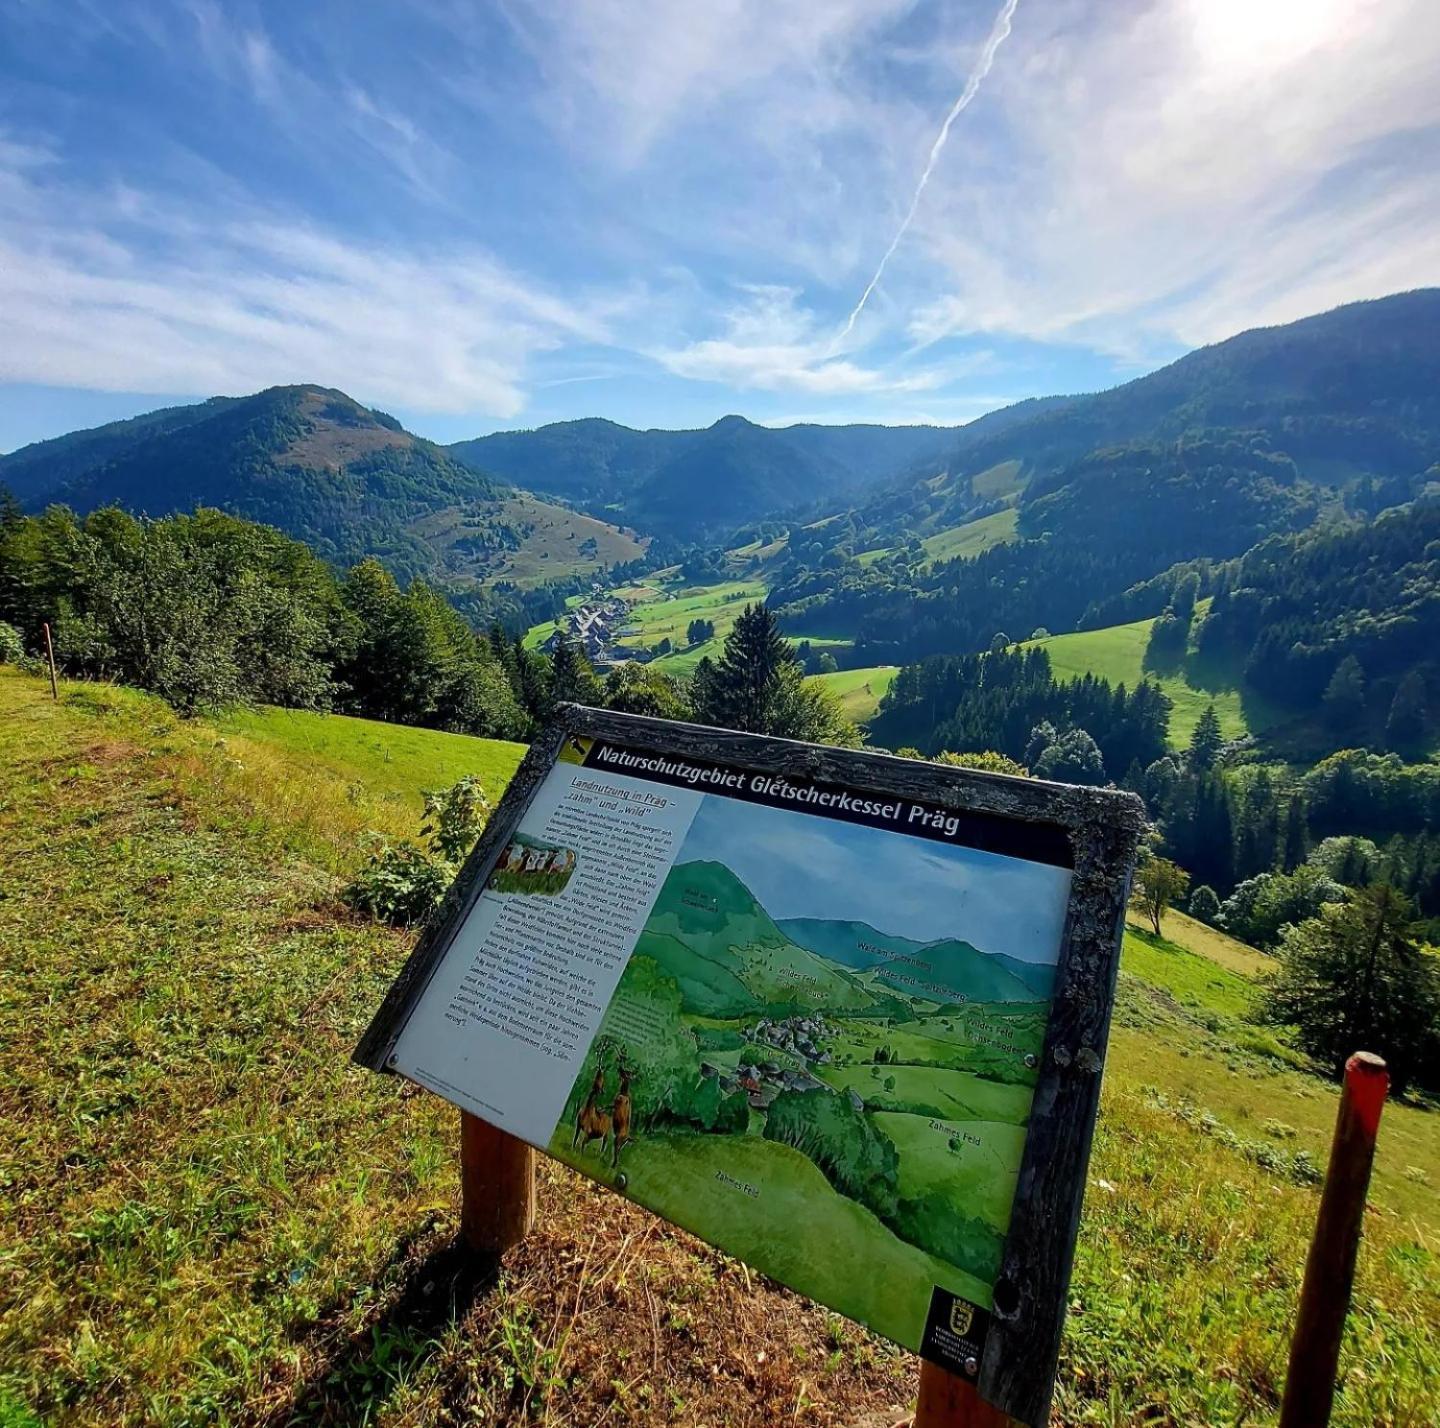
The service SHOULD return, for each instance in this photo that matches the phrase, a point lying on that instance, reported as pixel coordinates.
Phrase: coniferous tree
(572, 678)
(1207, 740)
(744, 684)
(533, 676)
(1354, 978)
(1408, 721)
(1296, 847)
(1344, 699)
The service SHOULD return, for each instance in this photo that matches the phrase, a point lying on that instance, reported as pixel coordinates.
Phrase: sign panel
(803, 1016)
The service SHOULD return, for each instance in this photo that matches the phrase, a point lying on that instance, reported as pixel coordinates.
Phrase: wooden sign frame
(1102, 828)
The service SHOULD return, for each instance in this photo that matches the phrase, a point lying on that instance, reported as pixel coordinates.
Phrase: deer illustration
(620, 1116)
(590, 1121)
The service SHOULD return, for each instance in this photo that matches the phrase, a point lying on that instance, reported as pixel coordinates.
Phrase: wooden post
(949, 1401)
(1330, 1267)
(497, 1187)
(50, 659)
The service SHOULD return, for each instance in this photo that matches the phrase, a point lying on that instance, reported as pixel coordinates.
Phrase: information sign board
(838, 1013)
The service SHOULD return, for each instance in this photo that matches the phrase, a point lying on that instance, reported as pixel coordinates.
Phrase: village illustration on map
(839, 1100)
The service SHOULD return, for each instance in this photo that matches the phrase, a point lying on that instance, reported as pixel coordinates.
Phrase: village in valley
(597, 626)
(762, 1081)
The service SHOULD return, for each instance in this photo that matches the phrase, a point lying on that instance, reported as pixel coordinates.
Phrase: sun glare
(1241, 36)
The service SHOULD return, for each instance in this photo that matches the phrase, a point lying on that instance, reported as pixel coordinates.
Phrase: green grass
(381, 769)
(668, 619)
(1003, 479)
(1117, 653)
(210, 1216)
(880, 1279)
(972, 539)
(934, 1090)
(935, 1155)
(1184, 1026)
(964, 541)
(859, 690)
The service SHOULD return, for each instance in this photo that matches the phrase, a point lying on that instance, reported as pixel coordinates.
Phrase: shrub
(12, 647)
(1204, 905)
(454, 818)
(400, 884)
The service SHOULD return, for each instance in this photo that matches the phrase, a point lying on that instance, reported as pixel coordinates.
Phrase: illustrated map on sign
(807, 1035)
(821, 1055)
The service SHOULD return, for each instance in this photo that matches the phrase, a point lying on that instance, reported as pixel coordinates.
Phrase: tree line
(209, 609)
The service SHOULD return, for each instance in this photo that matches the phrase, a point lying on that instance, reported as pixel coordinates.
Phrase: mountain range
(730, 958)
(703, 484)
(1249, 437)
(863, 948)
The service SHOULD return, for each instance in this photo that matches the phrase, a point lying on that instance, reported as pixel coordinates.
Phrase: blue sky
(799, 865)
(488, 216)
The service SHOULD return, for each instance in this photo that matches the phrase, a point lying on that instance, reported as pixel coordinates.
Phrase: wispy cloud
(769, 341)
(999, 33)
(452, 209)
(231, 305)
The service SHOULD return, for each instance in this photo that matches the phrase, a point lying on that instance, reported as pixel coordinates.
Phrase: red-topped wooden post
(1330, 1267)
(497, 1187)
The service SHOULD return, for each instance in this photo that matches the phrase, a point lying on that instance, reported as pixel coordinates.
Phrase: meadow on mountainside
(256, 1231)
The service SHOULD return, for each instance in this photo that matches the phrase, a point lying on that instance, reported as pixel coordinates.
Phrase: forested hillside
(700, 485)
(349, 481)
(1342, 418)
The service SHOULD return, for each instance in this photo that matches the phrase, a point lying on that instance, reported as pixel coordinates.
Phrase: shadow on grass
(353, 1376)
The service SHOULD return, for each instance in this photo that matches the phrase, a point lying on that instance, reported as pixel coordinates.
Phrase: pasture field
(964, 541)
(1117, 653)
(972, 539)
(951, 1164)
(210, 1215)
(859, 690)
(1005, 478)
(668, 617)
(379, 770)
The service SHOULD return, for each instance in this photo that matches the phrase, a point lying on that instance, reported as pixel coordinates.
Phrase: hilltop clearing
(211, 1216)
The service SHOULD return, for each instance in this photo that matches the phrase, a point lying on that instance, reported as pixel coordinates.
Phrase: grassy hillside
(1117, 653)
(973, 538)
(554, 542)
(379, 770)
(859, 690)
(211, 1216)
(968, 540)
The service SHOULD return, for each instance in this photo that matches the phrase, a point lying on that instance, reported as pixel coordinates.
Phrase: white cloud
(179, 304)
(1193, 168)
(769, 342)
(1133, 178)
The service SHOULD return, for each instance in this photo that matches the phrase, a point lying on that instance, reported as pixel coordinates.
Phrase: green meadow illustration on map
(841, 1102)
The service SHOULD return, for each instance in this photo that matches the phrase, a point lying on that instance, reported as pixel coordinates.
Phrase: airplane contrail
(999, 32)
